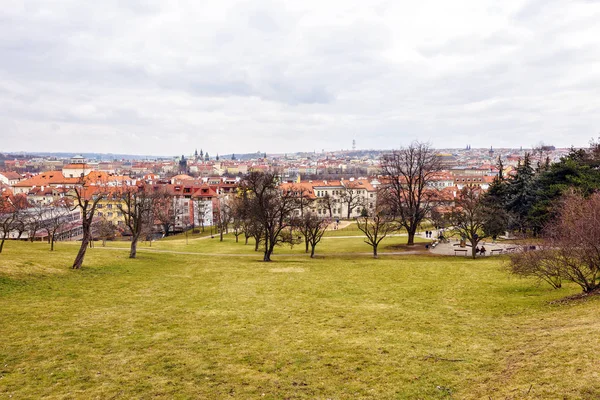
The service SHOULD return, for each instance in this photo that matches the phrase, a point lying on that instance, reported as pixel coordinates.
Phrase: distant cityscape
(199, 182)
(201, 163)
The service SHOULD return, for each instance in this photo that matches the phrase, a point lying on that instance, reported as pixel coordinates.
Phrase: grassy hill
(197, 321)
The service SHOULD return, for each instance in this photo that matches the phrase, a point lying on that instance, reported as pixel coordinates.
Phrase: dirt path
(341, 225)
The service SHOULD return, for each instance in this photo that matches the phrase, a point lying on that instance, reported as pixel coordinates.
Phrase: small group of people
(428, 234)
(480, 250)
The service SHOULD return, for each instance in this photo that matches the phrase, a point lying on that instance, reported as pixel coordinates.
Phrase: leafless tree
(222, 215)
(312, 229)
(164, 210)
(377, 225)
(106, 230)
(86, 198)
(9, 217)
(271, 207)
(438, 218)
(350, 197)
(21, 222)
(57, 216)
(202, 210)
(570, 249)
(136, 203)
(238, 217)
(36, 220)
(303, 200)
(469, 216)
(328, 203)
(407, 173)
(541, 264)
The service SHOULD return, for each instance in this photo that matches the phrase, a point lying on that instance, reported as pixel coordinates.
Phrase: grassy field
(342, 326)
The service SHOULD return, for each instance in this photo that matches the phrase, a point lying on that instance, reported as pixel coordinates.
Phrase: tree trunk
(306, 243)
(221, 234)
(52, 244)
(268, 253)
(134, 242)
(246, 240)
(312, 251)
(269, 246)
(237, 237)
(256, 244)
(411, 236)
(375, 251)
(2, 242)
(81, 254)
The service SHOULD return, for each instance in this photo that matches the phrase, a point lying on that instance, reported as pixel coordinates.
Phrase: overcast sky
(166, 77)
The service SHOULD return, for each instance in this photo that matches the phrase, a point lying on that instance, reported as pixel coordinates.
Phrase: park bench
(511, 249)
(463, 251)
(496, 251)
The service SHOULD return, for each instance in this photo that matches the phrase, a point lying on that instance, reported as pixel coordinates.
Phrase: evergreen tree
(521, 195)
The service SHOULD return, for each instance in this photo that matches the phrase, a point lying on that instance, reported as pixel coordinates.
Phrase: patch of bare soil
(576, 297)
(404, 247)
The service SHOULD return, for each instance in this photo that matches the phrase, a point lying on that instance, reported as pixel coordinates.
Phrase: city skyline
(153, 78)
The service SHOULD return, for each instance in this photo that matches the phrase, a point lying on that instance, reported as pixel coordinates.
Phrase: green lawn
(173, 325)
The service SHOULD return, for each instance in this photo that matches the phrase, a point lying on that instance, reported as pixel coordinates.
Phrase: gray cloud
(162, 78)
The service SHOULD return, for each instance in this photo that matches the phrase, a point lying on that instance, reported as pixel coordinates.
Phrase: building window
(110, 214)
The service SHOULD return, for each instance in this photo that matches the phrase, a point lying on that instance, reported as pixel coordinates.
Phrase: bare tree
(378, 225)
(9, 214)
(35, 220)
(271, 207)
(136, 204)
(570, 249)
(86, 198)
(469, 216)
(238, 215)
(328, 203)
(202, 210)
(312, 228)
(438, 218)
(541, 264)
(56, 217)
(164, 211)
(106, 230)
(350, 197)
(407, 173)
(21, 222)
(223, 215)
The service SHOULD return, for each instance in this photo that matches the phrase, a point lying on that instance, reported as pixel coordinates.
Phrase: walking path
(452, 248)
(258, 254)
(449, 248)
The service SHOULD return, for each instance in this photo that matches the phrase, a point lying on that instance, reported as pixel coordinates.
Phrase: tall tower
(353, 144)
